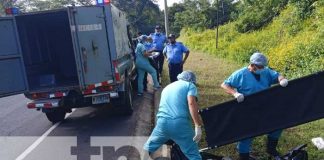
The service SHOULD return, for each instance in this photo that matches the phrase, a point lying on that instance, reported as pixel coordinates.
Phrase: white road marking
(40, 139)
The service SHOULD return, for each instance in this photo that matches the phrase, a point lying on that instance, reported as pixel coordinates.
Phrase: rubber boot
(272, 148)
(244, 156)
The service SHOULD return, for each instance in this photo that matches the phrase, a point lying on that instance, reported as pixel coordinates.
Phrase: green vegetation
(199, 14)
(293, 43)
(289, 32)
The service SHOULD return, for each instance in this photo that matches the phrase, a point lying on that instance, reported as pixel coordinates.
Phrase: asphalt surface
(88, 133)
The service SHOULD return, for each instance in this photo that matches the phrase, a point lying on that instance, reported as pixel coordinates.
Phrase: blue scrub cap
(142, 38)
(259, 59)
(188, 76)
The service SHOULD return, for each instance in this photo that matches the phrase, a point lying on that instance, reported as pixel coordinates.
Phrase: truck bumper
(48, 103)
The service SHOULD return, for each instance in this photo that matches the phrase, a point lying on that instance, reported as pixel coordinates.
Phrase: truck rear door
(12, 71)
(91, 44)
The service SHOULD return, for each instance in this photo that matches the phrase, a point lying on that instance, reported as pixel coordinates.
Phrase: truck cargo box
(66, 48)
(47, 50)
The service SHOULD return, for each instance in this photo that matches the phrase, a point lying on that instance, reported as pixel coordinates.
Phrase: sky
(170, 3)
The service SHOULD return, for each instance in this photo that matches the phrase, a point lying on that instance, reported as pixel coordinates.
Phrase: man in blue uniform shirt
(177, 106)
(159, 41)
(174, 51)
(249, 80)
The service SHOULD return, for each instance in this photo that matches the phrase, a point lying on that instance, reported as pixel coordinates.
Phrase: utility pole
(217, 24)
(166, 18)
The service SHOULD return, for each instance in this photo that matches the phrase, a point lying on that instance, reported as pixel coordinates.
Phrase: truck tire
(56, 115)
(125, 101)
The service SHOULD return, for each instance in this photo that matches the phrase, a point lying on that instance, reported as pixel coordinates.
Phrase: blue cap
(188, 76)
(259, 59)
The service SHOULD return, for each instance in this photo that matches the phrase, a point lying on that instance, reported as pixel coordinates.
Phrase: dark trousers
(145, 81)
(174, 70)
(159, 60)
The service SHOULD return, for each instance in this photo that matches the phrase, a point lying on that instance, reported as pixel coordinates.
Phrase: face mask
(259, 71)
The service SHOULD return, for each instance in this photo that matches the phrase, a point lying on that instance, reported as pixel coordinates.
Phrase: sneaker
(139, 94)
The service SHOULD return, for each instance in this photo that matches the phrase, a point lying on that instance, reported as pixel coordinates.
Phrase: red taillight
(105, 83)
(39, 95)
(47, 105)
(31, 105)
(117, 75)
(34, 96)
(86, 92)
(106, 88)
(59, 94)
(91, 87)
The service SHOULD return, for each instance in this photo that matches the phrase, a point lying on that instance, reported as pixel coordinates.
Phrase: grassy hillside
(295, 47)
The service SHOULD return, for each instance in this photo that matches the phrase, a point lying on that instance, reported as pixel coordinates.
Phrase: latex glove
(239, 97)
(198, 133)
(284, 82)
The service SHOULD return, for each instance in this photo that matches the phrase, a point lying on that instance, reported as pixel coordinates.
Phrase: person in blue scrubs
(143, 65)
(149, 46)
(252, 79)
(173, 52)
(178, 103)
(159, 40)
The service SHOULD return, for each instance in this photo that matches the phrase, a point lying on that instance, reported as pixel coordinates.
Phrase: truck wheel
(125, 105)
(56, 115)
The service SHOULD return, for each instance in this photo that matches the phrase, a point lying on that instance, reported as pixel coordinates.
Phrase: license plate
(100, 99)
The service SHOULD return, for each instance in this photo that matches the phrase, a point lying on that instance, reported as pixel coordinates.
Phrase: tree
(175, 27)
(257, 13)
(1, 9)
(199, 14)
(39, 5)
(305, 7)
(142, 14)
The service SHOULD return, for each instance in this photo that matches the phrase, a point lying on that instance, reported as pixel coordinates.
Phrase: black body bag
(177, 154)
(297, 153)
(266, 111)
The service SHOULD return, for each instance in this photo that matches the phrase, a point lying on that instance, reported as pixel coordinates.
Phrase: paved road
(17, 120)
(88, 133)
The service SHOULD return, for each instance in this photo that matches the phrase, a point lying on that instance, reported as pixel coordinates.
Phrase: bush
(257, 14)
(294, 46)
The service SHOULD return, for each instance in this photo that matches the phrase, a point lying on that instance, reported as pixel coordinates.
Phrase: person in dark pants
(159, 40)
(173, 52)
